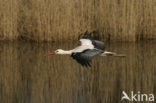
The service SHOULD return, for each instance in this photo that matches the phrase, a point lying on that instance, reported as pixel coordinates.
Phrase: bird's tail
(106, 53)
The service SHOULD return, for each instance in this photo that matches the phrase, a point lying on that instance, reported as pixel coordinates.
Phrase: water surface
(27, 76)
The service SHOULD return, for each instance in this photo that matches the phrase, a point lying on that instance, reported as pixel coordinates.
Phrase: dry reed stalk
(8, 19)
(51, 20)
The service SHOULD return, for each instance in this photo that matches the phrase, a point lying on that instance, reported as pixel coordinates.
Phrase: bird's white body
(82, 48)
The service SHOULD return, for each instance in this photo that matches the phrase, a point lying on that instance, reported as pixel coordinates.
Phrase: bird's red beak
(48, 54)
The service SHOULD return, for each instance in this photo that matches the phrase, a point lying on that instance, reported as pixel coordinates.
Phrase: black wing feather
(98, 44)
(85, 57)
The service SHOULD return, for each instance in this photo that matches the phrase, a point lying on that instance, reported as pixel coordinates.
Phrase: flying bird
(88, 49)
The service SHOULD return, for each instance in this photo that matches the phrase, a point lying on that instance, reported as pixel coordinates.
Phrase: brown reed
(61, 20)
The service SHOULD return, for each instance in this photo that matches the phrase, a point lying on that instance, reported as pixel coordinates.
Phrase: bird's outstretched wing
(95, 43)
(85, 57)
(98, 44)
(86, 42)
(86, 39)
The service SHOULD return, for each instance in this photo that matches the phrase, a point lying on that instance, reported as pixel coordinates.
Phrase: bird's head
(58, 51)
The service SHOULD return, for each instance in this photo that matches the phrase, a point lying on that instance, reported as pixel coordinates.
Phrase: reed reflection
(27, 76)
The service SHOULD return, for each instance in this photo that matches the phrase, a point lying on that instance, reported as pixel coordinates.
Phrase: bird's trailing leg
(106, 53)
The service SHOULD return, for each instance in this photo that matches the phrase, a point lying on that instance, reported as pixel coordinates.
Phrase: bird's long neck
(66, 51)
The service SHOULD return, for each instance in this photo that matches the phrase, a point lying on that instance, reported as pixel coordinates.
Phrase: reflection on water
(27, 76)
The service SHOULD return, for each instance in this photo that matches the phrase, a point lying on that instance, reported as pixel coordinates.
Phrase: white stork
(84, 53)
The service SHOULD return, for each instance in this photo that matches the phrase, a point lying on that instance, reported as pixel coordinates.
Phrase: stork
(88, 49)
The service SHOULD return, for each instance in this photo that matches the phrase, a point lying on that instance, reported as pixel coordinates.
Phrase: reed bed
(61, 20)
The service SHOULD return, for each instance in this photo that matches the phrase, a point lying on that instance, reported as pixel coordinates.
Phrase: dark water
(27, 76)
